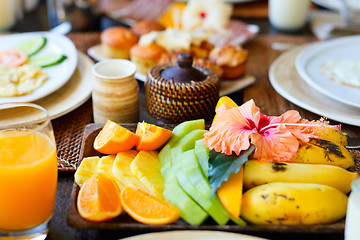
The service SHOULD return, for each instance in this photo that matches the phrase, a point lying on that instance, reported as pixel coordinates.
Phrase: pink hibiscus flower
(275, 138)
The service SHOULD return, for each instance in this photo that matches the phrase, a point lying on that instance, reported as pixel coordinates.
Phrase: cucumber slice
(198, 188)
(202, 154)
(47, 60)
(190, 211)
(184, 128)
(32, 45)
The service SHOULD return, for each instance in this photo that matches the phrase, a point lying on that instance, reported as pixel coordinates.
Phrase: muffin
(231, 59)
(117, 41)
(146, 56)
(146, 26)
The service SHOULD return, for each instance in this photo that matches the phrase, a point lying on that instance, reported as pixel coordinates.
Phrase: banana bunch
(310, 189)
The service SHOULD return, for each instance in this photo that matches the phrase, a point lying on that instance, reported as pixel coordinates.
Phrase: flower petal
(232, 128)
(275, 144)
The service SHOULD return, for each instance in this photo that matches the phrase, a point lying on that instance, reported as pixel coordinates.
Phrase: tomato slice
(13, 57)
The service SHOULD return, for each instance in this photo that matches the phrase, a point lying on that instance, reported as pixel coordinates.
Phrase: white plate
(193, 235)
(229, 1)
(330, 4)
(74, 93)
(310, 59)
(58, 75)
(226, 87)
(288, 83)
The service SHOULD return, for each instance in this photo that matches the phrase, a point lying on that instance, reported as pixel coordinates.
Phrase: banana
(258, 173)
(333, 135)
(293, 204)
(320, 151)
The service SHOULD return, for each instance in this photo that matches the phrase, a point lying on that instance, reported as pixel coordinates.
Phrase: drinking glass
(28, 171)
(352, 223)
(289, 15)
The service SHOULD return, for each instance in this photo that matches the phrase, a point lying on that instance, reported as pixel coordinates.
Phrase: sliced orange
(147, 208)
(114, 138)
(99, 199)
(151, 137)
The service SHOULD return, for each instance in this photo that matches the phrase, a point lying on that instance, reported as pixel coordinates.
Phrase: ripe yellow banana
(293, 204)
(258, 173)
(320, 151)
(333, 135)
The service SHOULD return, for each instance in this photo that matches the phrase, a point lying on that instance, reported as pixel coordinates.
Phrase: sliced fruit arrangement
(227, 173)
(184, 176)
(136, 173)
(28, 51)
(301, 187)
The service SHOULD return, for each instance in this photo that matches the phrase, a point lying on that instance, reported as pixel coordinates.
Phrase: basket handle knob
(185, 60)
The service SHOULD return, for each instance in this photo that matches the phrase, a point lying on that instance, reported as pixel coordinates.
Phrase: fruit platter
(283, 174)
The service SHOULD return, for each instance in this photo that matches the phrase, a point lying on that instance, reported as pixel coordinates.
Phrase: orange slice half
(114, 138)
(99, 199)
(147, 208)
(151, 137)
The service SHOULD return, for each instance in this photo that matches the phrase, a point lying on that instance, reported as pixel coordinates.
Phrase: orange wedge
(147, 208)
(151, 137)
(99, 199)
(114, 138)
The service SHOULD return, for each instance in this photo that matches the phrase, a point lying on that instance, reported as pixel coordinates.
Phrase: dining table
(69, 128)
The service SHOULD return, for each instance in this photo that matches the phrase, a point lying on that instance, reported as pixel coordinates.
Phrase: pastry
(117, 41)
(231, 59)
(145, 26)
(146, 56)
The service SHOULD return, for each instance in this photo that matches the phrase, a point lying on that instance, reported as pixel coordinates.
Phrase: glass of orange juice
(28, 171)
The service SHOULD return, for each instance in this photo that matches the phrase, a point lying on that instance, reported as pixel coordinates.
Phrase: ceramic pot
(115, 92)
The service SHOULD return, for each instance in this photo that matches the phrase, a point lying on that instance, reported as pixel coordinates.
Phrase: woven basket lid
(184, 72)
(177, 101)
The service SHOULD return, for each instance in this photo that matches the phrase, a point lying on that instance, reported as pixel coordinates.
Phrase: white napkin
(323, 22)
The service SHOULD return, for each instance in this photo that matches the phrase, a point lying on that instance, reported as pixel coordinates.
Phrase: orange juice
(28, 178)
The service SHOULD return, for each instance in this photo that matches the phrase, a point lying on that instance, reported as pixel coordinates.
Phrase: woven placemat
(69, 128)
(68, 132)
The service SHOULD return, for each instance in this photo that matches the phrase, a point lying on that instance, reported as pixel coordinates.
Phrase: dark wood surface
(261, 55)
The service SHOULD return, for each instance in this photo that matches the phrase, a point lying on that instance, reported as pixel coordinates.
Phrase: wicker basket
(175, 102)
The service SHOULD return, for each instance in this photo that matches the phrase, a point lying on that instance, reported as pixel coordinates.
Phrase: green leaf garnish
(222, 165)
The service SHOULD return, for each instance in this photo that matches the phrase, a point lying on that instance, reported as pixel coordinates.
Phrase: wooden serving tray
(126, 223)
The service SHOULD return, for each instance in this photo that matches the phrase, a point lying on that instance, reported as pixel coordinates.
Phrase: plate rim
(194, 233)
(315, 49)
(73, 59)
(282, 91)
(85, 73)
